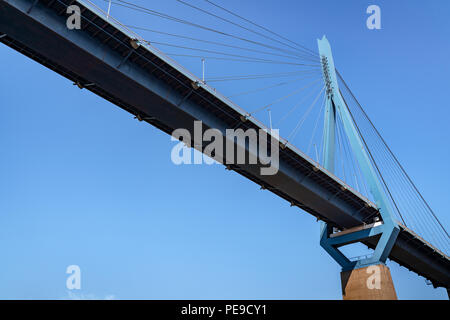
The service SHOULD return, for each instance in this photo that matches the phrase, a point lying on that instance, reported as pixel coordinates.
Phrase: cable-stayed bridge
(347, 177)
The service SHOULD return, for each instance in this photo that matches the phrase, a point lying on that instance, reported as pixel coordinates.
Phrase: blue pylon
(387, 228)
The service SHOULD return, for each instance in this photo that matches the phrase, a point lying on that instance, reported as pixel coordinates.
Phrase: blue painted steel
(329, 128)
(389, 229)
(329, 135)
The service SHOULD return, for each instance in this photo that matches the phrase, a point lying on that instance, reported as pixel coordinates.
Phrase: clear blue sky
(84, 183)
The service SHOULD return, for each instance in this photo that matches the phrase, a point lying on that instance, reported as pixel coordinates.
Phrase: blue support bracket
(331, 242)
(387, 229)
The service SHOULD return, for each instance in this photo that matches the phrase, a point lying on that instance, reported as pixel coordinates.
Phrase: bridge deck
(150, 85)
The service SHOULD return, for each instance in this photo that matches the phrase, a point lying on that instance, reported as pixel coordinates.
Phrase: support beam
(329, 137)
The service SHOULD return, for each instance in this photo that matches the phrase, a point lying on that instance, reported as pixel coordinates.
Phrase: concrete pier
(368, 283)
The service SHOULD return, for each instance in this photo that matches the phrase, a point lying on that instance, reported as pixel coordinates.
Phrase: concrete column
(368, 283)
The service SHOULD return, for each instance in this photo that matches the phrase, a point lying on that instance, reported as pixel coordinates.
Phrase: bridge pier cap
(386, 230)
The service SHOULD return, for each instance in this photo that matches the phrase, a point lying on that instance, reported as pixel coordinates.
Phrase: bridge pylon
(365, 278)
